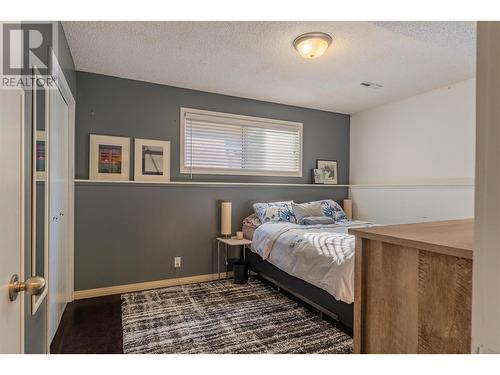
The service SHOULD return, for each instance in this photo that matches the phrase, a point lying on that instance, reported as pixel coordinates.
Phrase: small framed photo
(109, 158)
(328, 170)
(152, 160)
(317, 176)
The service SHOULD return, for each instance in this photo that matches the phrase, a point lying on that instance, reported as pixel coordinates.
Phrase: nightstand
(229, 242)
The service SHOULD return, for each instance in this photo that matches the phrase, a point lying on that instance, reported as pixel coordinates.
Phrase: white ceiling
(256, 59)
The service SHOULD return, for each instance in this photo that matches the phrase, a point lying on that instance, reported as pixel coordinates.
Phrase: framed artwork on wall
(328, 171)
(109, 158)
(152, 160)
(317, 176)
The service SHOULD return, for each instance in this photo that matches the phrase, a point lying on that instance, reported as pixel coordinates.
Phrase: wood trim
(451, 237)
(446, 250)
(127, 288)
(359, 289)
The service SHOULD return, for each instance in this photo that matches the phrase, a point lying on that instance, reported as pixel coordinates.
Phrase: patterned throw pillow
(275, 212)
(314, 220)
(252, 221)
(333, 210)
(328, 208)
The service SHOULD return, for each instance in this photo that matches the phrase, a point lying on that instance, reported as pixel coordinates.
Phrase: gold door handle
(34, 286)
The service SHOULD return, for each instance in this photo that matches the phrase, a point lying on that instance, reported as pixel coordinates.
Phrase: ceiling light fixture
(312, 45)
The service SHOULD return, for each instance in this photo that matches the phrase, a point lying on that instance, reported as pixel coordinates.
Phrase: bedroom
(255, 187)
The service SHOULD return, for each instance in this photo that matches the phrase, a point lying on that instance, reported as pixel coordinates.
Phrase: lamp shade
(225, 219)
(348, 208)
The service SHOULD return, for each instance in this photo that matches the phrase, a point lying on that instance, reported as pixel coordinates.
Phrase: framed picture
(328, 170)
(317, 176)
(40, 155)
(152, 160)
(109, 158)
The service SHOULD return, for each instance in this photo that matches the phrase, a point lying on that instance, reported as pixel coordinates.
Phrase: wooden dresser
(413, 288)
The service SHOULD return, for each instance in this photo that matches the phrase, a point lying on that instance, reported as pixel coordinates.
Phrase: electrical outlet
(177, 262)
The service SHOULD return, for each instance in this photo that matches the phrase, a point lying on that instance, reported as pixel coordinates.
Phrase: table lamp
(225, 219)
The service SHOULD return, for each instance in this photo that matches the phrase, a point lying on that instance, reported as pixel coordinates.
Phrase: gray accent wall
(115, 106)
(130, 233)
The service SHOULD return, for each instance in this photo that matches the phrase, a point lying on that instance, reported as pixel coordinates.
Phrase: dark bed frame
(318, 298)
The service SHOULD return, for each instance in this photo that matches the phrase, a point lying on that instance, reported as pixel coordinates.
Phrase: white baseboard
(119, 289)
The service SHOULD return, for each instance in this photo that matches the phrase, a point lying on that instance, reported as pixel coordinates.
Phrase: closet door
(58, 204)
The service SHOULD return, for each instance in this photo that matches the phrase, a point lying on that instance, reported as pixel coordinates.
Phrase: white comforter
(322, 255)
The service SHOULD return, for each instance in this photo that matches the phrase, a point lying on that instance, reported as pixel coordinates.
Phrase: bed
(312, 262)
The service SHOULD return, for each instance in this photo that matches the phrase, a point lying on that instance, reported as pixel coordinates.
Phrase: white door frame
(63, 87)
(36, 301)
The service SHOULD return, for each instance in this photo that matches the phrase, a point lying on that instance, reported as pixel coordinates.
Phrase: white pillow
(309, 209)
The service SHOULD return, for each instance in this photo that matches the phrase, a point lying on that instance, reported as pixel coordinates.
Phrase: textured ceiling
(256, 59)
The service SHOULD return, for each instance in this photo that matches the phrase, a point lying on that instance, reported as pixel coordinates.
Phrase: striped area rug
(221, 317)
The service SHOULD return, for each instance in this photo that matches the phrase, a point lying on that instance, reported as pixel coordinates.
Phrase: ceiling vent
(371, 85)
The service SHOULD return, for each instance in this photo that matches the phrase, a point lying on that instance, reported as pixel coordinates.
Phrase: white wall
(428, 139)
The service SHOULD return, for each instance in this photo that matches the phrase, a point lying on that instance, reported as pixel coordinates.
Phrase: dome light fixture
(312, 45)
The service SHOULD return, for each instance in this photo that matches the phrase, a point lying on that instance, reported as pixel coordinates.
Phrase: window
(226, 144)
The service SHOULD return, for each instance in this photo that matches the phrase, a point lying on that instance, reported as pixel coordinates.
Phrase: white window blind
(220, 143)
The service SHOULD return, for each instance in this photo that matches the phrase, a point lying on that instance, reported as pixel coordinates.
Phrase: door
(11, 217)
(486, 278)
(58, 210)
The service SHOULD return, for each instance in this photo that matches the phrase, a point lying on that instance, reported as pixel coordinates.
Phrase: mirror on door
(39, 256)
